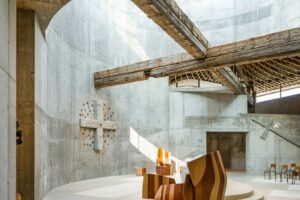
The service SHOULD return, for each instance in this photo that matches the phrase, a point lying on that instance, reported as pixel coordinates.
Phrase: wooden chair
(291, 172)
(283, 172)
(151, 184)
(206, 181)
(296, 173)
(272, 169)
(164, 165)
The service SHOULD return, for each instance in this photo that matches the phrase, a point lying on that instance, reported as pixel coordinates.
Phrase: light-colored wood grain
(279, 52)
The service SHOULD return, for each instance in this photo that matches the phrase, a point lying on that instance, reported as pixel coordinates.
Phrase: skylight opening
(276, 95)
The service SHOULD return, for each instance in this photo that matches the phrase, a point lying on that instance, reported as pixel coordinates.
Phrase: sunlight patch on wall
(128, 31)
(149, 150)
(143, 145)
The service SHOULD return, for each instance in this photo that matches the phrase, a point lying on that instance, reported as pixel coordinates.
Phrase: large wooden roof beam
(168, 15)
(273, 46)
(230, 80)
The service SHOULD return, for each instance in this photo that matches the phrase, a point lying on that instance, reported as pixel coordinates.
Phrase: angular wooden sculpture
(163, 162)
(152, 183)
(172, 191)
(206, 181)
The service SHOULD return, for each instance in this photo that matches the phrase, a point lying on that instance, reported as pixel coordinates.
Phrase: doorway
(232, 146)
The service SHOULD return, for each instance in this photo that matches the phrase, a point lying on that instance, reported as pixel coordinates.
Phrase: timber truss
(256, 65)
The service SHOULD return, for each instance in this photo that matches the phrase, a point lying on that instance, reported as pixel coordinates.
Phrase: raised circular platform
(129, 187)
(238, 191)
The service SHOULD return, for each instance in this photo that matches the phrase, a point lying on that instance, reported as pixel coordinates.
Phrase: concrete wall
(8, 99)
(88, 36)
(233, 20)
(90, 44)
(285, 105)
(40, 127)
(193, 115)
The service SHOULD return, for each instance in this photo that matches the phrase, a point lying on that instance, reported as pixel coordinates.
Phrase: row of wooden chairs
(288, 172)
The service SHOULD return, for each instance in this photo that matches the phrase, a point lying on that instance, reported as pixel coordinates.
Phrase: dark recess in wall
(286, 105)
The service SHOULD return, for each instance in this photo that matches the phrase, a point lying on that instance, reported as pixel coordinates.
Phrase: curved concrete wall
(233, 20)
(88, 36)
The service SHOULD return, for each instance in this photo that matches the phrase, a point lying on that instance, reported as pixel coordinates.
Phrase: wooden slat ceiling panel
(266, 75)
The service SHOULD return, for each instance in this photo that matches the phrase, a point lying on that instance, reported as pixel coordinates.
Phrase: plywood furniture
(170, 192)
(283, 172)
(207, 181)
(291, 172)
(140, 171)
(272, 169)
(296, 173)
(164, 165)
(152, 183)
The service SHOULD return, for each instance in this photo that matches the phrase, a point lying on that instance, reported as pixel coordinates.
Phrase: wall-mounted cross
(98, 124)
(269, 127)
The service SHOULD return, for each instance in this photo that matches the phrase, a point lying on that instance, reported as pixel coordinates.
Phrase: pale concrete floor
(269, 188)
(129, 187)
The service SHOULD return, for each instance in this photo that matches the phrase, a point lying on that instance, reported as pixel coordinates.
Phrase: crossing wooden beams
(168, 15)
(283, 48)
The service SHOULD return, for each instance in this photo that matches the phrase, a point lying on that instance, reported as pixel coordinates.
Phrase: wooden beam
(229, 79)
(168, 15)
(120, 79)
(277, 45)
(273, 46)
(145, 65)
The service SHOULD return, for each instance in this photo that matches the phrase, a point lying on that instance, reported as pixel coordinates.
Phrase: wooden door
(232, 147)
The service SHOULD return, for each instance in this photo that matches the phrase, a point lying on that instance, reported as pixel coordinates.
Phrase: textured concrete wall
(285, 105)
(40, 127)
(232, 20)
(90, 44)
(8, 99)
(88, 36)
(193, 115)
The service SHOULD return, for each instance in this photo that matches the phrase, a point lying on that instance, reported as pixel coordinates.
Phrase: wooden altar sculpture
(206, 181)
(152, 183)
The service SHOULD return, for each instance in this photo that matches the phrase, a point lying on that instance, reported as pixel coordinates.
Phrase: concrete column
(7, 100)
(25, 101)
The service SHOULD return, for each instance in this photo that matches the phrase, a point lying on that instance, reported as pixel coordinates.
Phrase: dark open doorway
(232, 146)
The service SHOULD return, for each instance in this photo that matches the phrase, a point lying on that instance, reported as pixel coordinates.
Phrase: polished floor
(129, 188)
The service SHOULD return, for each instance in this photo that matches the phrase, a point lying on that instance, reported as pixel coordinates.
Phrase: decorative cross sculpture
(277, 132)
(99, 125)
